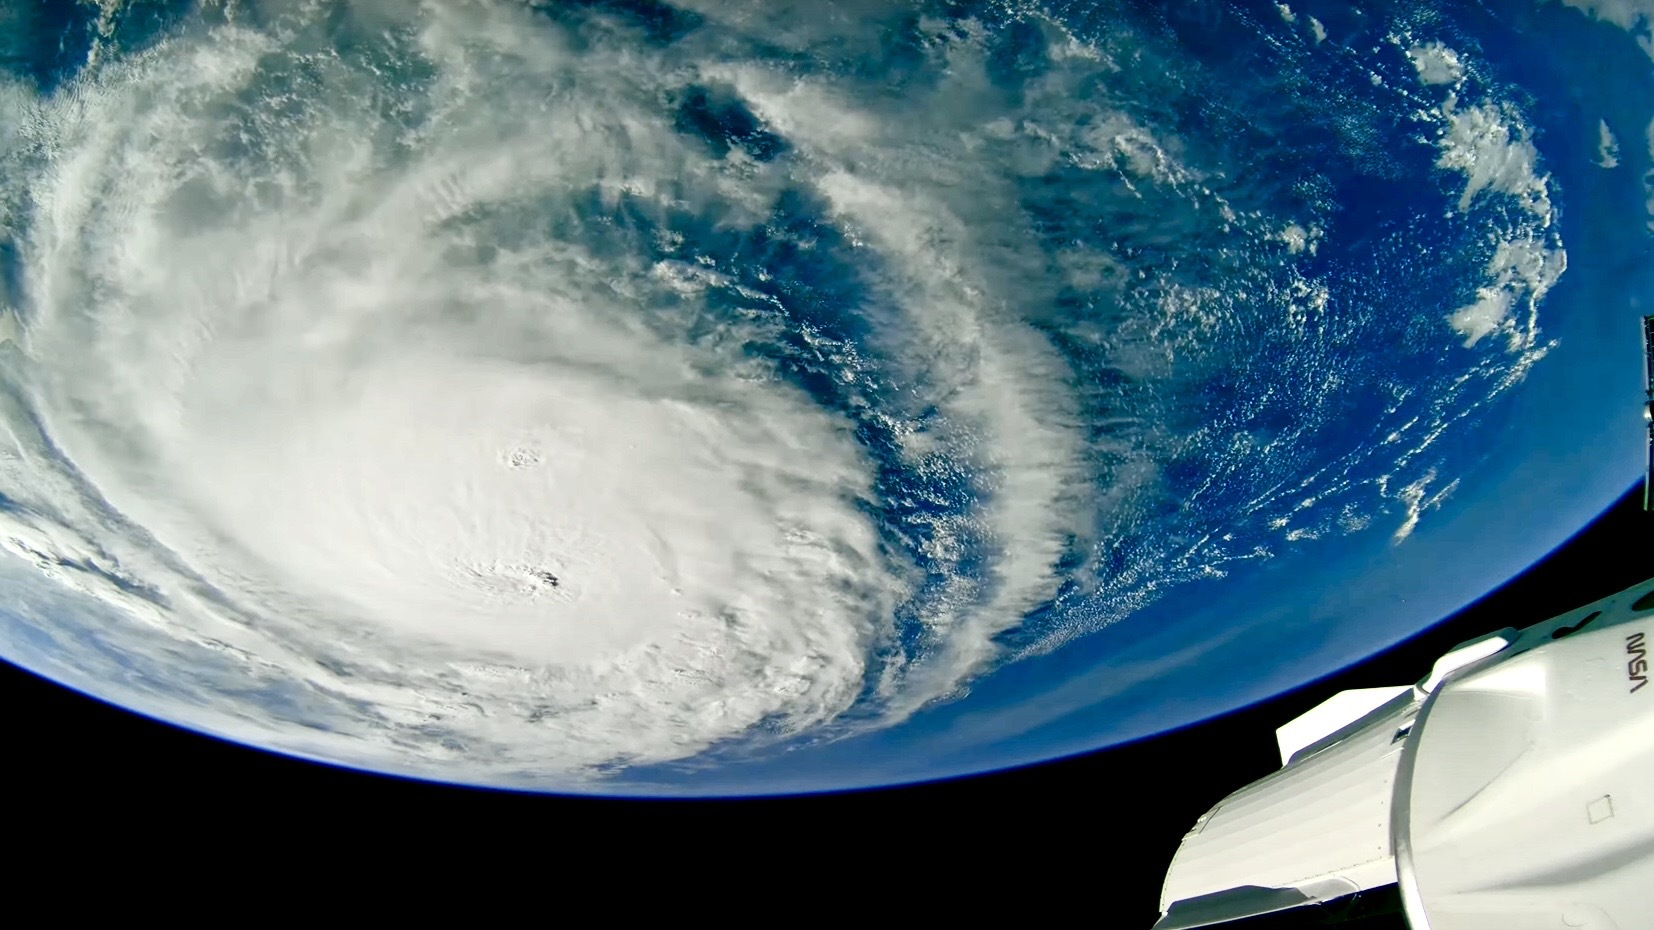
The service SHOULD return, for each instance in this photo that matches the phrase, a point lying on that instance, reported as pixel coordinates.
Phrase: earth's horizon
(731, 397)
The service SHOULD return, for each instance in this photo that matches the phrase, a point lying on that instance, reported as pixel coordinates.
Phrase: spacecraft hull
(1513, 787)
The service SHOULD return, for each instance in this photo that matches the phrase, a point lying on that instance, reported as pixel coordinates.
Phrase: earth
(753, 396)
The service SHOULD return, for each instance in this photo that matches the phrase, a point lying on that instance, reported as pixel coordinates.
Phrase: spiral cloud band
(533, 390)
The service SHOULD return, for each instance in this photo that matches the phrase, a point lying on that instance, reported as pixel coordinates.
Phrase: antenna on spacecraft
(1648, 409)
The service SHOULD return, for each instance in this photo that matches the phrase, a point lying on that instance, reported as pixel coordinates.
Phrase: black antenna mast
(1648, 410)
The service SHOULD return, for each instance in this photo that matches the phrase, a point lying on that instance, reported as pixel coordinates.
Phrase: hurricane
(523, 393)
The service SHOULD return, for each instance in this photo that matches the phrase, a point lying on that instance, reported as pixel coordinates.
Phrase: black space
(1093, 832)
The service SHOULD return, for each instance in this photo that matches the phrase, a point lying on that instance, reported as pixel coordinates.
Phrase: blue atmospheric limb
(758, 396)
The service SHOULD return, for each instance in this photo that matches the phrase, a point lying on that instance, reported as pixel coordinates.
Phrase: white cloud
(1648, 177)
(1416, 498)
(1608, 147)
(366, 404)
(1436, 63)
(1634, 16)
(373, 413)
(1520, 270)
(1489, 145)
(390, 454)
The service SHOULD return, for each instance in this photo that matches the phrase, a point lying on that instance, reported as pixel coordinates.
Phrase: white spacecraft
(1511, 789)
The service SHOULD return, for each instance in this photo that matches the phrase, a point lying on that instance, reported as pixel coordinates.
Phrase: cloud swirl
(531, 391)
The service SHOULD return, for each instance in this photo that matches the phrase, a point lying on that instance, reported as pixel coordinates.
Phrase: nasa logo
(1637, 666)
